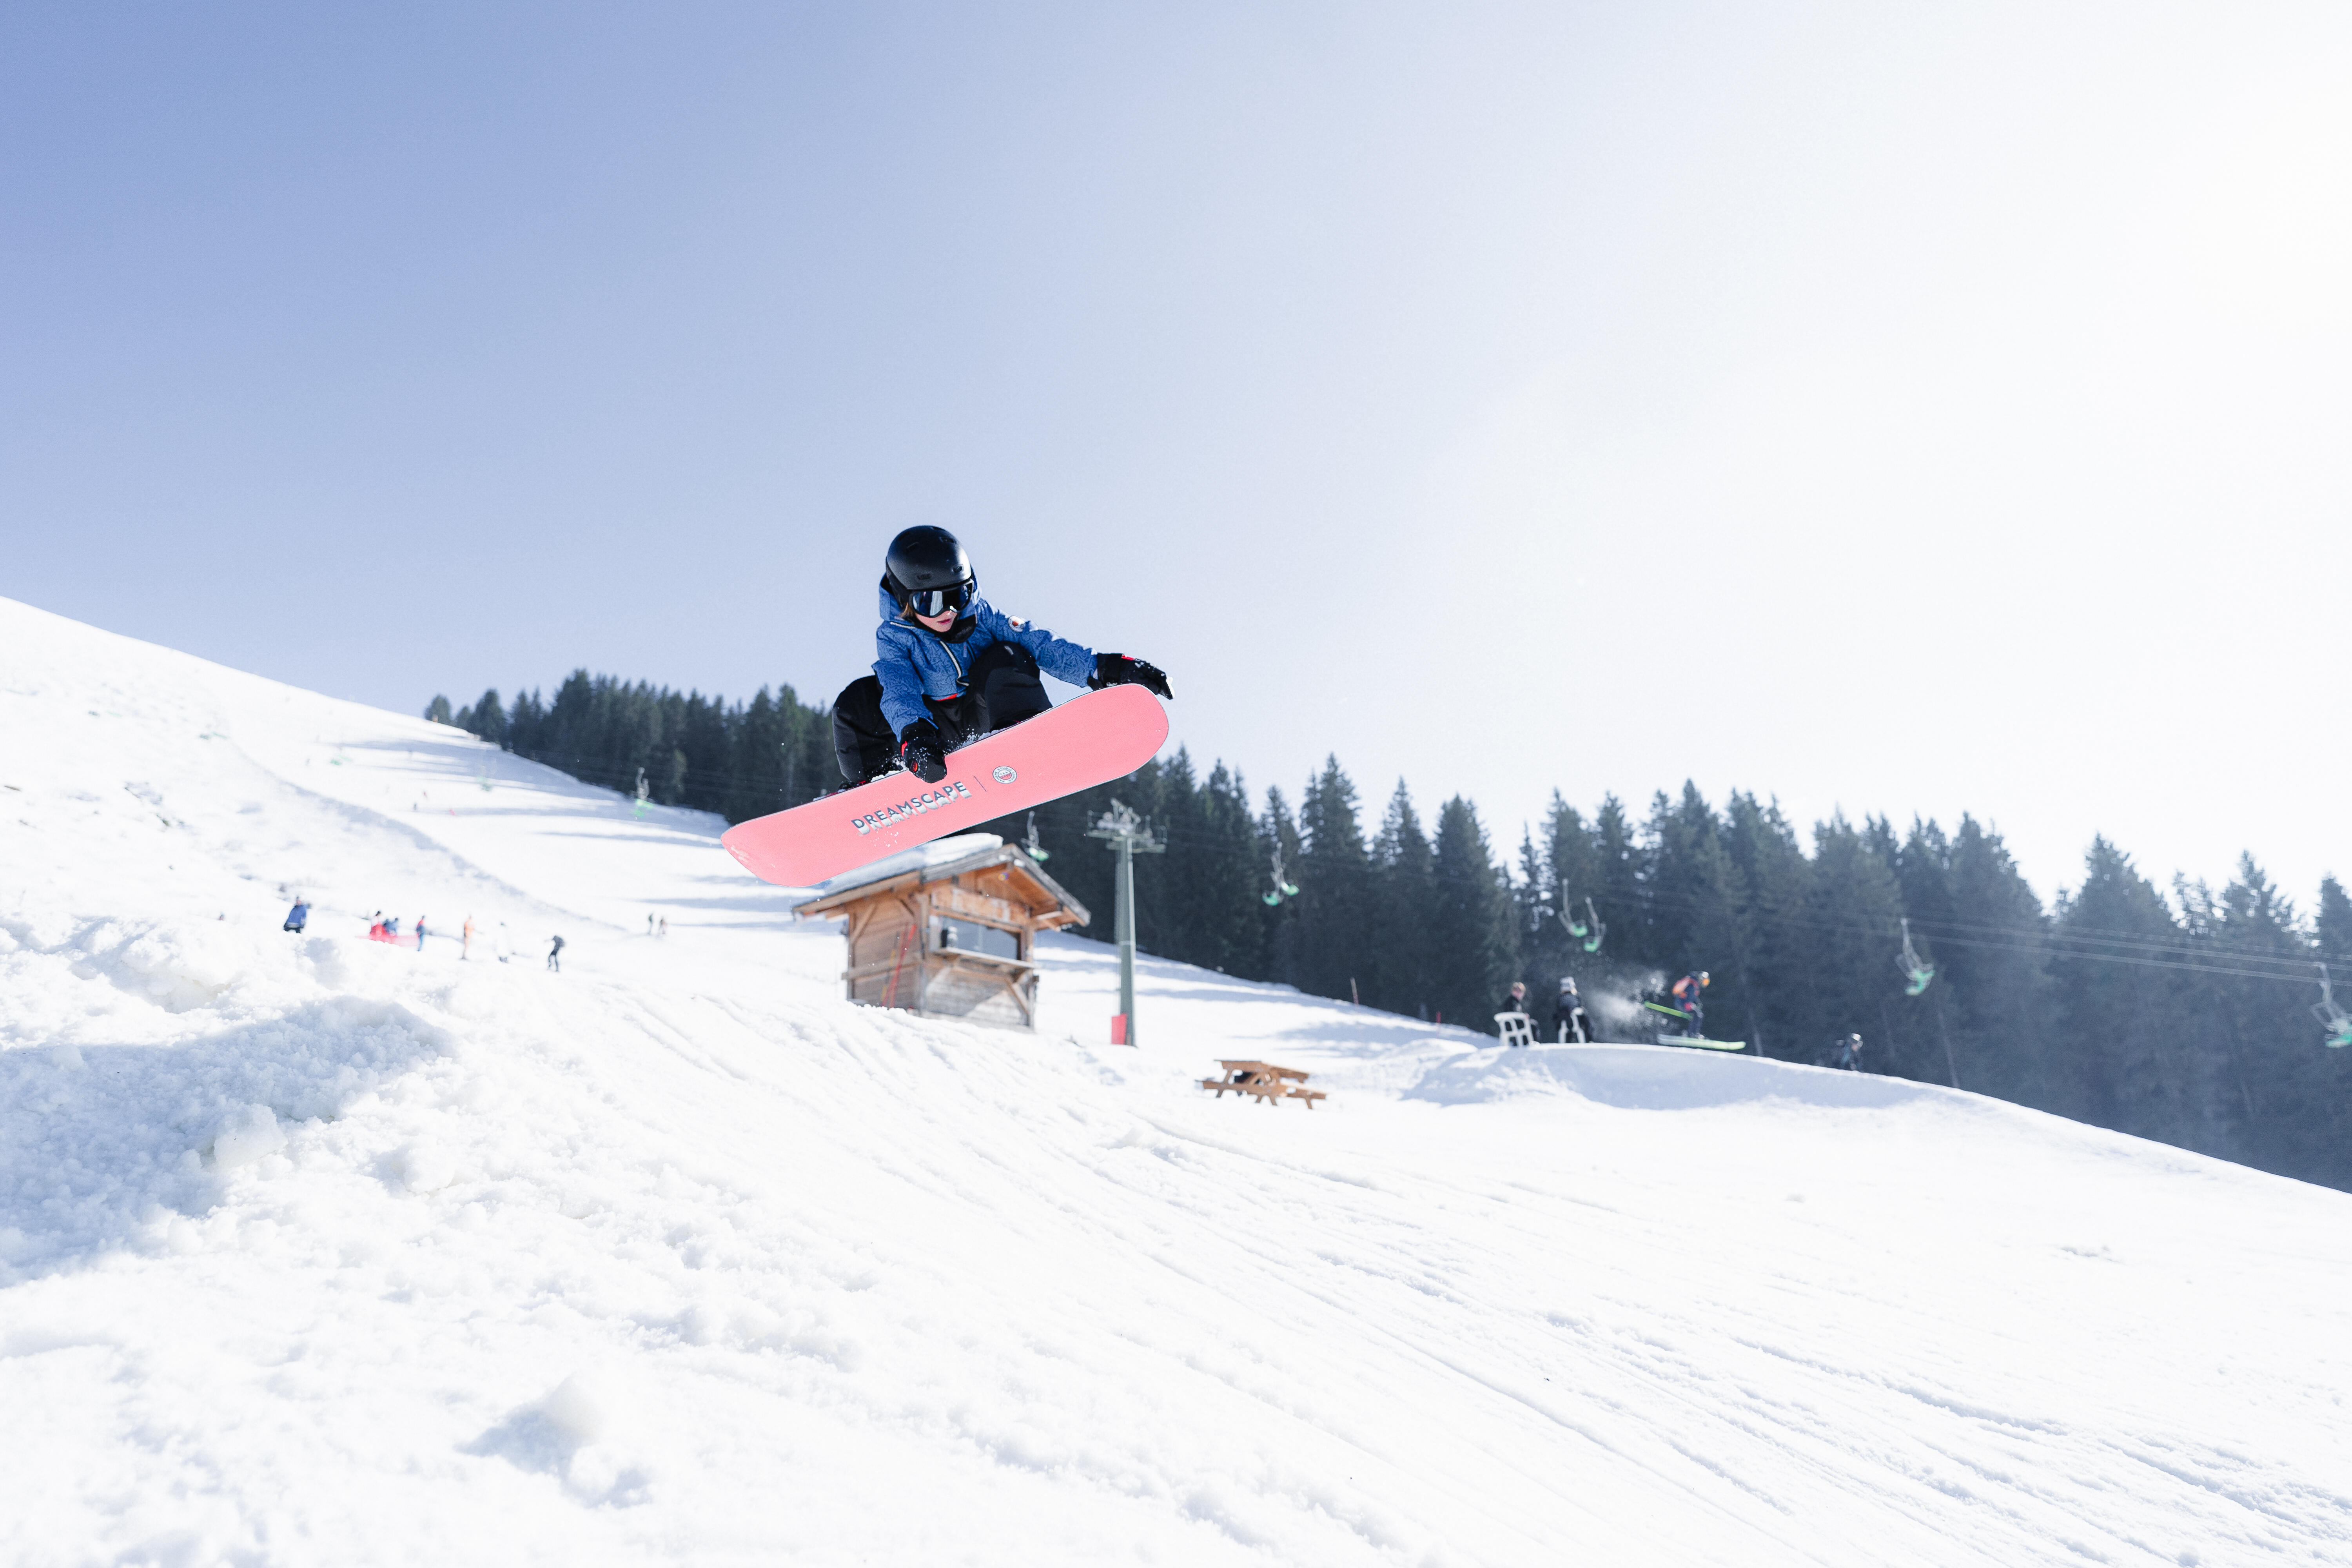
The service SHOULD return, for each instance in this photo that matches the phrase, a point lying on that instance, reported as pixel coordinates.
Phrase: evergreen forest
(2181, 1013)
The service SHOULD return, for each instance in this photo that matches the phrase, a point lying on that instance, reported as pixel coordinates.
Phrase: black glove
(922, 753)
(1118, 669)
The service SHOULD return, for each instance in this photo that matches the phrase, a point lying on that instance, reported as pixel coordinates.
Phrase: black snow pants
(1002, 688)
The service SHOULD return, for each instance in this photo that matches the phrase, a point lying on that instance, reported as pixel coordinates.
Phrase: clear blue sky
(1894, 411)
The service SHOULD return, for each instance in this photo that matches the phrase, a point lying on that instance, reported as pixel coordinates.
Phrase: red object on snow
(1118, 1028)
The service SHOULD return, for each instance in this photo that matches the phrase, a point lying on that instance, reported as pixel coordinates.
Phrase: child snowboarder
(950, 666)
(298, 916)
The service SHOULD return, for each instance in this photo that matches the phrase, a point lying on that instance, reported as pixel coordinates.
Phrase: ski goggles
(939, 601)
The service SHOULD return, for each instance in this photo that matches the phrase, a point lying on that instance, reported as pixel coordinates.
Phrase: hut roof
(941, 860)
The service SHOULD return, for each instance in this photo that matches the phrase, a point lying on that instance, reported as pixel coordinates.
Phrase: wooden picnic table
(1264, 1079)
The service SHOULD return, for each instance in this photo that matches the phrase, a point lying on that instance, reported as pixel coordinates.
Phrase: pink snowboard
(1089, 739)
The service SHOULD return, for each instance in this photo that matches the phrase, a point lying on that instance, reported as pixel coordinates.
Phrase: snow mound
(1662, 1077)
(921, 857)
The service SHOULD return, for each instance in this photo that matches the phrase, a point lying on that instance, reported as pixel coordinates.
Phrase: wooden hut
(949, 930)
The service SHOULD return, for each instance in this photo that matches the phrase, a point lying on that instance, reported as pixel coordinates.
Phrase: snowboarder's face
(939, 623)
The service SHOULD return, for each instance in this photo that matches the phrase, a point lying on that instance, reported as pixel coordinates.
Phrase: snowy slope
(318, 1250)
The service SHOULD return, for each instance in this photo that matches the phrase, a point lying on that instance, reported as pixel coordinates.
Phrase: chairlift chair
(1281, 889)
(1575, 927)
(2332, 1018)
(1917, 973)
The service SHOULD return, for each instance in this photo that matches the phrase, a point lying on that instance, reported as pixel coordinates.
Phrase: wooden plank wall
(927, 979)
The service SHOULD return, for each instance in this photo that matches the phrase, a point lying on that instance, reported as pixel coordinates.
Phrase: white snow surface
(318, 1250)
(921, 857)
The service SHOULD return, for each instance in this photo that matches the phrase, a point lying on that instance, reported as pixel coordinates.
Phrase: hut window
(971, 936)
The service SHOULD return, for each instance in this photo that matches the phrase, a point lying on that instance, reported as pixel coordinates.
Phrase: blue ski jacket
(914, 662)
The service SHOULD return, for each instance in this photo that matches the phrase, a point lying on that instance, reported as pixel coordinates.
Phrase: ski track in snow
(314, 1250)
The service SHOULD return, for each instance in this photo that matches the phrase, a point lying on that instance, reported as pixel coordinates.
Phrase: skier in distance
(1687, 998)
(1516, 1000)
(950, 666)
(1568, 1013)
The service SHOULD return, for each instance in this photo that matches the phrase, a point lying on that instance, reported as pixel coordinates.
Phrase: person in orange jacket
(1686, 997)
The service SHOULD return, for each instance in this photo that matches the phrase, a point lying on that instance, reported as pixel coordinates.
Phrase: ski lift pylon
(1917, 973)
(2333, 1018)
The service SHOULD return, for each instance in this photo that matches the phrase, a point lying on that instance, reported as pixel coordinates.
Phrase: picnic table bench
(1264, 1079)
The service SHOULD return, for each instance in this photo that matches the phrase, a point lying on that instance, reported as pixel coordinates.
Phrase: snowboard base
(1092, 738)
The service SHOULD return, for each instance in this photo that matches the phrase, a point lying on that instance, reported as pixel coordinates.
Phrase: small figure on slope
(1569, 1018)
(1687, 998)
(1515, 1000)
(298, 916)
(555, 956)
(1847, 1054)
(950, 666)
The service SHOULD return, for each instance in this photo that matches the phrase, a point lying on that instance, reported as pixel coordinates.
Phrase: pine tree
(1992, 989)
(1537, 937)
(1206, 880)
(1853, 968)
(527, 725)
(1334, 877)
(1278, 832)
(487, 718)
(1567, 874)
(2332, 926)
(2124, 1018)
(2258, 1039)
(1230, 873)
(1468, 922)
(437, 711)
(1776, 881)
(1619, 873)
(1695, 893)
(756, 758)
(1397, 953)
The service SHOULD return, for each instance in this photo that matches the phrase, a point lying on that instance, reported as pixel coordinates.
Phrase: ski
(1702, 1042)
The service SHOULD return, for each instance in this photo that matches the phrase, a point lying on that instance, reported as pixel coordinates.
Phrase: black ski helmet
(928, 573)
